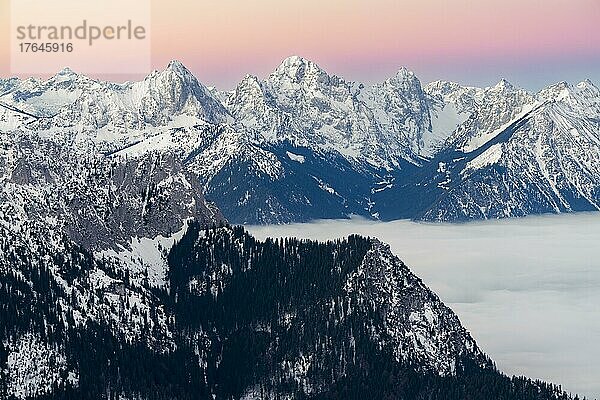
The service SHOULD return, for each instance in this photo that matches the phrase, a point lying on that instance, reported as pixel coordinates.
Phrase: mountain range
(120, 280)
(303, 144)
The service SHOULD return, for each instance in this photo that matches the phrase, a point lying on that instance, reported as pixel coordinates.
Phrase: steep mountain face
(110, 204)
(402, 111)
(75, 100)
(301, 104)
(545, 160)
(243, 319)
(303, 144)
(409, 316)
(494, 109)
(7, 85)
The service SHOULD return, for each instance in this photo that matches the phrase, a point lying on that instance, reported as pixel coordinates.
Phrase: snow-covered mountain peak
(176, 70)
(401, 111)
(70, 81)
(503, 85)
(587, 87)
(562, 85)
(276, 124)
(296, 70)
(294, 63)
(66, 73)
(174, 91)
(442, 87)
(586, 83)
(177, 66)
(585, 95)
(70, 100)
(174, 74)
(556, 92)
(47, 97)
(491, 111)
(249, 104)
(404, 73)
(405, 80)
(250, 81)
(464, 98)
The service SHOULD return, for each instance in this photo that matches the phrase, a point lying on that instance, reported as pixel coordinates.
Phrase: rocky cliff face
(419, 328)
(545, 160)
(304, 144)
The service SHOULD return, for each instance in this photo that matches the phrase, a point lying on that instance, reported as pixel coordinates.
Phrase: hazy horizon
(531, 43)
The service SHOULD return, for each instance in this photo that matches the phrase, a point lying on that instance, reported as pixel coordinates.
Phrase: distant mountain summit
(304, 144)
(517, 154)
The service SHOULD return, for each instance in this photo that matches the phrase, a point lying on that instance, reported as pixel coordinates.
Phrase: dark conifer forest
(241, 318)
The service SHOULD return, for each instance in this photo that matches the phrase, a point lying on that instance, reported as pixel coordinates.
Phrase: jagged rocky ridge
(114, 206)
(243, 319)
(303, 144)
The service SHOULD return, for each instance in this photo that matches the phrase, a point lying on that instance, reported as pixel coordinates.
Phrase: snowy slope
(544, 160)
(365, 149)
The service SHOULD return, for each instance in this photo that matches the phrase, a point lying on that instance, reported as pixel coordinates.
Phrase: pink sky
(532, 42)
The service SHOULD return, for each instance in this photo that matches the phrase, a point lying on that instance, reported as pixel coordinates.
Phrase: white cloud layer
(528, 289)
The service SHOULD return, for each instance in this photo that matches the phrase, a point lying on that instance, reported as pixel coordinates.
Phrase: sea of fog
(527, 289)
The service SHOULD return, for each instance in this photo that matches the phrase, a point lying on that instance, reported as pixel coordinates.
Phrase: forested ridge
(241, 319)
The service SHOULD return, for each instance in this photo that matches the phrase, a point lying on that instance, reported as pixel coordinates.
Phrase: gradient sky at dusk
(529, 42)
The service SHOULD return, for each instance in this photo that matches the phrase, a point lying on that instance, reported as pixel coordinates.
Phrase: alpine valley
(120, 280)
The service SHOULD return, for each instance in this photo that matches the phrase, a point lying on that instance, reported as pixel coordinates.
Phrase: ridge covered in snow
(372, 150)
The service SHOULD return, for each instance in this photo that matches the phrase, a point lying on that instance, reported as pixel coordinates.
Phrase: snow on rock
(443, 122)
(146, 257)
(78, 136)
(483, 137)
(35, 366)
(295, 157)
(416, 323)
(489, 157)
